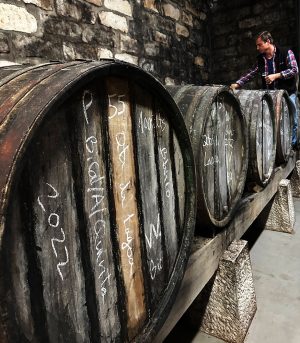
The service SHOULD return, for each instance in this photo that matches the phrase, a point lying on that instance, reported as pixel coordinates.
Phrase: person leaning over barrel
(278, 70)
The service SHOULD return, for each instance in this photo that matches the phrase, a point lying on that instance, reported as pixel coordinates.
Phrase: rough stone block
(87, 35)
(282, 214)
(150, 4)
(171, 11)
(128, 44)
(44, 4)
(187, 18)
(147, 65)
(151, 49)
(5, 63)
(121, 6)
(4, 47)
(95, 2)
(170, 81)
(104, 53)
(161, 37)
(127, 58)
(68, 10)
(114, 21)
(249, 23)
(182, 30)
(16, 18)
(69, 51)
(295, 180)
(199, 61)
(226, 306)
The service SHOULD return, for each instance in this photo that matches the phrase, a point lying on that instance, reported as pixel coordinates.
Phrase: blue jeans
(293, 98)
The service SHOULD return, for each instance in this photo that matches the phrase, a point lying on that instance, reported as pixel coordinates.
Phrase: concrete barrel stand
(282, 214)
(295, 180)
(227, 304)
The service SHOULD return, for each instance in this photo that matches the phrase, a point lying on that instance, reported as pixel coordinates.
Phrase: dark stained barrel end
(98, 203)
(217, 128)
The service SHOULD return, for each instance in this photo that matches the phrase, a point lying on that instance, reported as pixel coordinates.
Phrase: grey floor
(275, 258)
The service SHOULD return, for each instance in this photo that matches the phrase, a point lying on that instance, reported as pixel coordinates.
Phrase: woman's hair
(265, 35)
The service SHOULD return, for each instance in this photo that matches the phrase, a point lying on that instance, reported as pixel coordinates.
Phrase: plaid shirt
(286, 74)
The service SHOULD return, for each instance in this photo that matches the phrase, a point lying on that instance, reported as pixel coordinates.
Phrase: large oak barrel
(97, 203)
(284, 125)
(259, 111)
(219, 139)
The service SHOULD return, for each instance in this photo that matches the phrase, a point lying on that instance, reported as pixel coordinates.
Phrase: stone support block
(282, 214)
(295, 180)
(226, 306)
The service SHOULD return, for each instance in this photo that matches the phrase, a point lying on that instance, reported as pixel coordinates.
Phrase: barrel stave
(14, 290)
(168, 186)
(90, 171)
(148, 173)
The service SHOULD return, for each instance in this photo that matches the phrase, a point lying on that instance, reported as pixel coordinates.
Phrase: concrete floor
(275, 258)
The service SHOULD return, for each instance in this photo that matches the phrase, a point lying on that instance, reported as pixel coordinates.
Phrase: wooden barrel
(259, 112)
(284, 125)
(97, 206)
(219, 139)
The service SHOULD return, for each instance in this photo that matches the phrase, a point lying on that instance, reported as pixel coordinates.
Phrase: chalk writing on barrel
(54, 221)
(96, 194)
(165, 165)
(209, 141)
(120, 103)
(128, 244)
(155, 267)
(122, 147)
(116, 103)
(145, 123)
(154, 235)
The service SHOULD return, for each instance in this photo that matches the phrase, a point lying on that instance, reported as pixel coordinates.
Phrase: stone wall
(167, 38)
(235, 25)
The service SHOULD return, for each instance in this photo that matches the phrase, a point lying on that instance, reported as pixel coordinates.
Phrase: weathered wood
(9, 73)
(56, 234)
(168, 193)
(259, 111)
(219, 138)
(92, 188)
(150, 185)
(179, 167)
(124, 189)
(15, 291)
(206, 253)
(90, 204)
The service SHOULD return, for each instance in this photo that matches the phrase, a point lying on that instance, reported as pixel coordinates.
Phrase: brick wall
(167, 38)
(234, 28)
